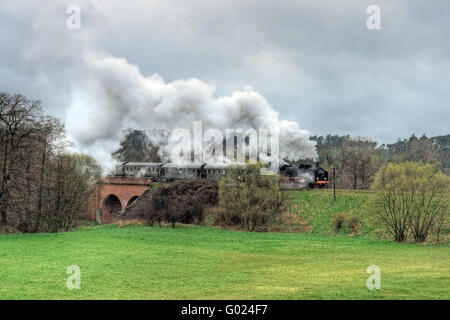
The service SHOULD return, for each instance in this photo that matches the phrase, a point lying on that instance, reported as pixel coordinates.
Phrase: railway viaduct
(114, 195)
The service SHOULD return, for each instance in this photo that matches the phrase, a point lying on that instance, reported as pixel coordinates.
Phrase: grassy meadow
(192, 262)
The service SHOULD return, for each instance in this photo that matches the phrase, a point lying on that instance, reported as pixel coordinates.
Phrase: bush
(291, 221)
(249, 199)
(182, 201)
(354, 225)
(410, 198)
(338, 221)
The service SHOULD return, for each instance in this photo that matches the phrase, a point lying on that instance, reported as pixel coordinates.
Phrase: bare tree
(42, 187)
(17, 123)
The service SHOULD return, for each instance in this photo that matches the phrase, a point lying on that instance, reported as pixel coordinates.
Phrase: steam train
(292, 177)
(305, 174)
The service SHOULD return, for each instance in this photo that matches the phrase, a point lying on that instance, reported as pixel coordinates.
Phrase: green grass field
(190, 262)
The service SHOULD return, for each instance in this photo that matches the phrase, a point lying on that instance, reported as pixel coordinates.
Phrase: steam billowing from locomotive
(102, 95)
(117, 96)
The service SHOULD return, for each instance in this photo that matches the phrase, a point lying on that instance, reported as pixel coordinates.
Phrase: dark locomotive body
(300, 177)
(305, 175)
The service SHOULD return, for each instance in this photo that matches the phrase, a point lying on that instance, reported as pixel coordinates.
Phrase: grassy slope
(319, 208)
(139, 262)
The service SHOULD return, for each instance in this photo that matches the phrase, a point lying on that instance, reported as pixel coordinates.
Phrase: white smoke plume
(107, 94)
(118, 96)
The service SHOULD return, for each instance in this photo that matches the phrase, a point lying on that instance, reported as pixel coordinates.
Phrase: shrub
(354, 225)
(181, 201)
(291, 222)
(249, 199)
(410, 198)
(338, 221)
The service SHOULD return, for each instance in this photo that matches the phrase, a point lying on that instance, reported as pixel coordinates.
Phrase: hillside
(318, 208)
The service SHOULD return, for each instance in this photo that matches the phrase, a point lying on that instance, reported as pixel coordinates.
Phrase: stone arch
(111, 206)
(133, 199)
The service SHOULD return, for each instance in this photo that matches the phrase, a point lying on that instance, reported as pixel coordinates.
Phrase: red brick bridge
(115, 195)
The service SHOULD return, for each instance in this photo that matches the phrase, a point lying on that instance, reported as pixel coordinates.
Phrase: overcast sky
(314, 61)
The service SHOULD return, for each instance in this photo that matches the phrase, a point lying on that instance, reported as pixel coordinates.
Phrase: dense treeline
(357, 160)
(43, 188)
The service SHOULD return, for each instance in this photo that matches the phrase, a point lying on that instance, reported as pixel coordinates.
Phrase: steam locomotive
(292, 177)
(305, 174)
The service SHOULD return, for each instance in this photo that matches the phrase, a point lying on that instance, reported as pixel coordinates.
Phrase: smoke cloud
(316, 62)
(107, 94)
(118, 96)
